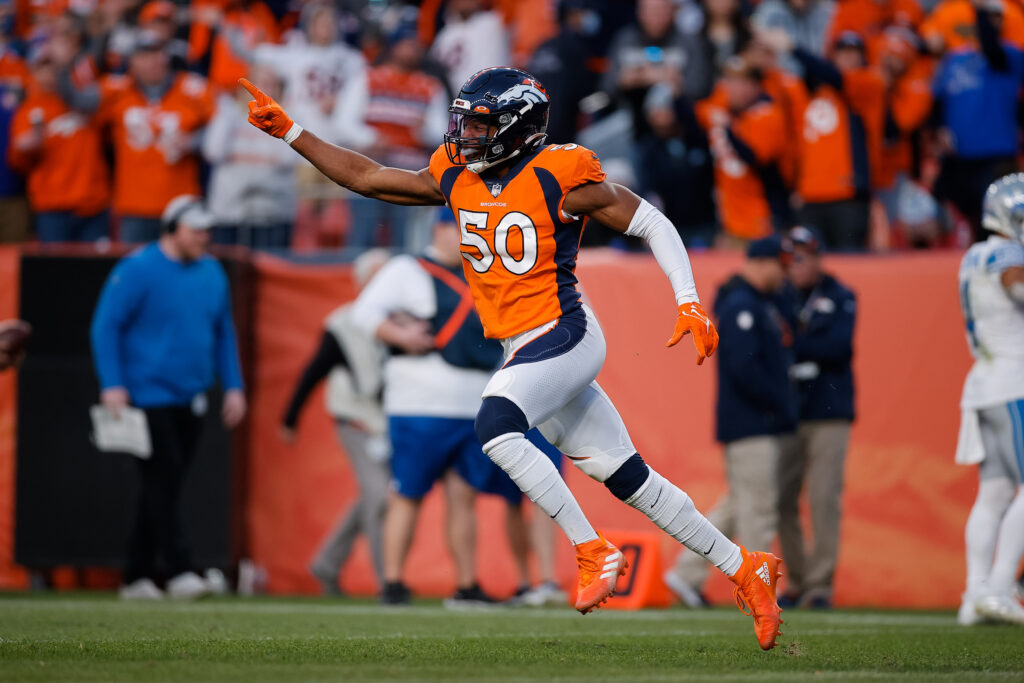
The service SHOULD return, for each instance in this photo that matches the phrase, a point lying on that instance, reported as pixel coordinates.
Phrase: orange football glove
(265, 113)
(693, 319)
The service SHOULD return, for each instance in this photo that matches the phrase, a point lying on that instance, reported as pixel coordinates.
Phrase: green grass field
(97, 638)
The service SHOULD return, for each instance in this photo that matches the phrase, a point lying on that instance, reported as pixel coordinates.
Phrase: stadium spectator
(724, 33)
(674, 169)
(323, 77)
(353, 362)
(209, 50)
(806, 22)
(161, 18)
(789, 94)
(14, 209)
(60, 152)
(651, 52)
(869, 19)
(472, 39)
(432, 390)
(155, 118)
(953, 24)
(977, 94)
(756, 411)
(908, 104)
(161, 333)
(402, 123)
(252, 191)
(747, 132)
(825, 312)
(562, 65)
(841, 141)
(991, 283)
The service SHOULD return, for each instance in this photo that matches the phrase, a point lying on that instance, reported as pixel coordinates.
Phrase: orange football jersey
(518, 245)
(740, 194)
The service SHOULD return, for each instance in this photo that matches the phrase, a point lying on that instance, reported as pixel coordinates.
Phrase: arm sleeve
(326, 357)
(832, 343)
(227, 345)
(118, 302)
(818, 71)
(668, 249)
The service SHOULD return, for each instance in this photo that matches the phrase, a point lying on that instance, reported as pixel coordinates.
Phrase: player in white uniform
(992, 426)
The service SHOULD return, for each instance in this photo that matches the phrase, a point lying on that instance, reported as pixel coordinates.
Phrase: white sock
(672, 511)
(994, 497)
(536, 475)
(1009, 548)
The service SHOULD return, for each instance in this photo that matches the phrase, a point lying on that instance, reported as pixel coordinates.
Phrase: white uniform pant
(559, 395)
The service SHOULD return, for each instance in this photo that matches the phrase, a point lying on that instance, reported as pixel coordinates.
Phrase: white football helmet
(1003, 208)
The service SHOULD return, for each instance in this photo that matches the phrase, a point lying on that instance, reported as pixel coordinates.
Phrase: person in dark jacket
(756, 411)
(824, 312)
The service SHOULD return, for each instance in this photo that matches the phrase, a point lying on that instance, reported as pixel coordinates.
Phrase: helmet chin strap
(530, 143)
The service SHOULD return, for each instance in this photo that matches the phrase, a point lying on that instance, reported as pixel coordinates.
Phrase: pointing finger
(253, 90)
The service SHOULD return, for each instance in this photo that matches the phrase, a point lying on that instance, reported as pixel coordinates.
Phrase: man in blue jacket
(823, 344)
(161, 333)
(756, 411)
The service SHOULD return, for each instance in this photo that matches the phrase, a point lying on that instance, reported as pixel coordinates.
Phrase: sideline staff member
(161, 330)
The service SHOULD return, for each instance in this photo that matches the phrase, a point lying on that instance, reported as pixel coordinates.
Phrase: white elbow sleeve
(668, 249)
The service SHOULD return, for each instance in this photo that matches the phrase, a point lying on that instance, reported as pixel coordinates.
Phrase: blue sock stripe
(1016, 409)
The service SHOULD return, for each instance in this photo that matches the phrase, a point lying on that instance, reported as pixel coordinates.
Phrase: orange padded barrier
(641, 585)
(905, 502)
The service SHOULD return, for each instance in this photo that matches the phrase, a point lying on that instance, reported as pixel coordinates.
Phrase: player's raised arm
(618, 208)
(345, 167)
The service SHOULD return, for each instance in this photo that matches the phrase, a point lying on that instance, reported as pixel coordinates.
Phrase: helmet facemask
(480, 140)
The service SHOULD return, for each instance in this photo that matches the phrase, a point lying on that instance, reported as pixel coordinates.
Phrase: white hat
(186, 209)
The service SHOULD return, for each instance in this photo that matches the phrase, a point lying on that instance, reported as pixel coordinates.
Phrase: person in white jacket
(252, 191)
(992, 405)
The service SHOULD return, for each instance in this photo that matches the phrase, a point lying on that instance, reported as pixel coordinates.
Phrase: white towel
(970, 450)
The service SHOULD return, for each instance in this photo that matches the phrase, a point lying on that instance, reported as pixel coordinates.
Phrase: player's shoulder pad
(439, 162)
(572, 164)
(1006, 255)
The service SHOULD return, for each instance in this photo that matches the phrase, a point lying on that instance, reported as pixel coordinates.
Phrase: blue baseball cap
(766, 247)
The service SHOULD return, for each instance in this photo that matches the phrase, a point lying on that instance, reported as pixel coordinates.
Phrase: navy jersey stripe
(567, 242)
(448, 179)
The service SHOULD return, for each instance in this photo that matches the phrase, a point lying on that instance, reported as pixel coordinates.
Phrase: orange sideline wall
(905, 501)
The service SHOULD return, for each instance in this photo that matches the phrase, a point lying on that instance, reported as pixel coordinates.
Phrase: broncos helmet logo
(529, 91)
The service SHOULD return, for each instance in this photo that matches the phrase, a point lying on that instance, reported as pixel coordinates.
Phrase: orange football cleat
(600, 565)
(756, 582)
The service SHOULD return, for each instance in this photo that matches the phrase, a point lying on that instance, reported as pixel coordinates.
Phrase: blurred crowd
(878, 123)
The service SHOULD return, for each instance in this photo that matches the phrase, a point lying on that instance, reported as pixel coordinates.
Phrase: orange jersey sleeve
(519, 247)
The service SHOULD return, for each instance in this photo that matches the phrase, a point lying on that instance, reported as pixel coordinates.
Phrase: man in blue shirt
(977, 90)
(161, 332)
(823, 311)
(756, 410)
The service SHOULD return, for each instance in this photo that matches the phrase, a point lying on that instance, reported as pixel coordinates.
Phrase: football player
(521, 207)
(992, 405)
